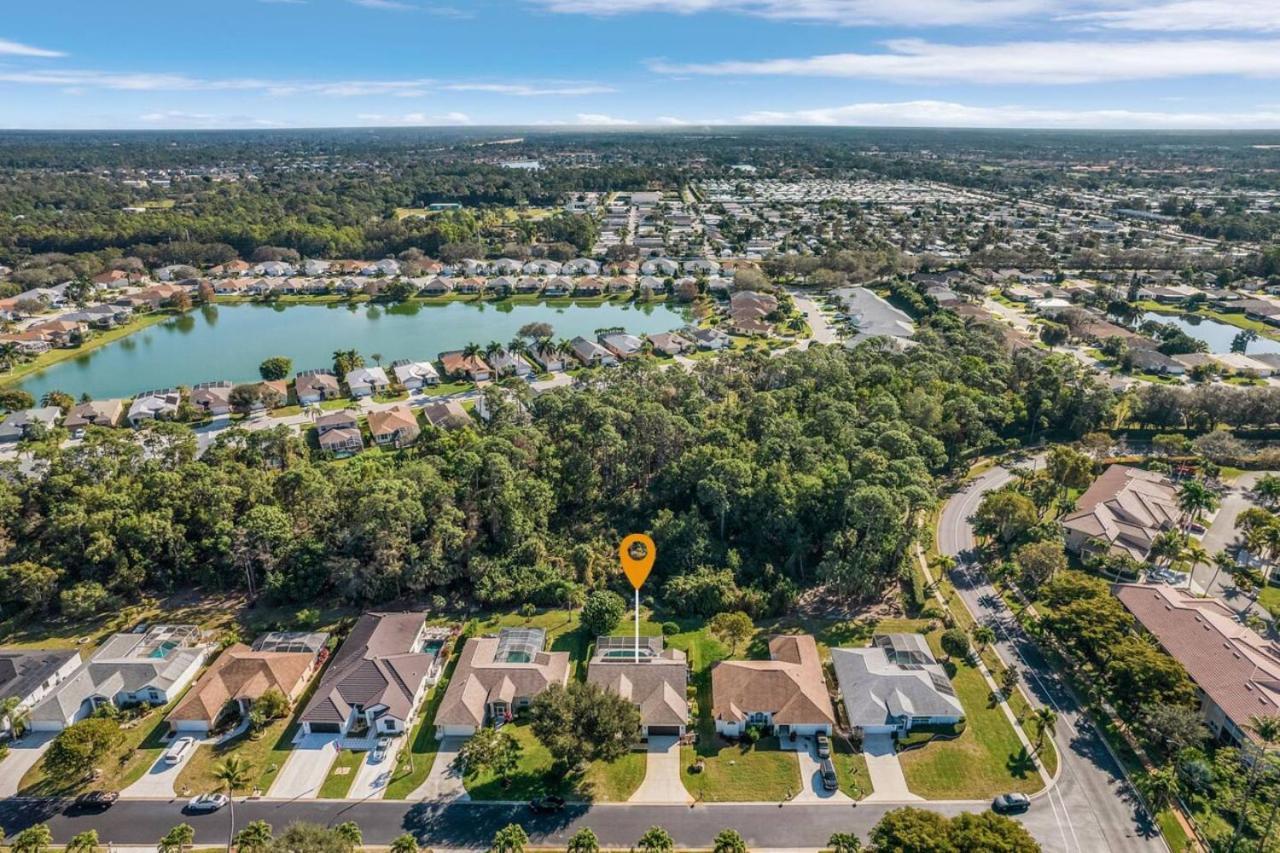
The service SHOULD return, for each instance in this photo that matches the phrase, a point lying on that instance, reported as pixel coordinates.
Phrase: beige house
(787, 692)
(394, 427)
(655, 680)
(496, 677)
(1123, 512)
(240, 675)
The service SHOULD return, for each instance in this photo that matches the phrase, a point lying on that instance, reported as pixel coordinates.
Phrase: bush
(602, 612)
(83, 600)
(670, 629)
(528, 610)
(752, 734)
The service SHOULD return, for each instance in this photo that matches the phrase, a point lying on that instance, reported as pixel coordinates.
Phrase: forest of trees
(756, 476)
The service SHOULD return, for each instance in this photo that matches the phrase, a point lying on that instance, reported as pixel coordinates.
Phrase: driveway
(306, 768)
(372, 776)
(1222, 535)
(662, 782)
(443, 782)
(158, 781)
(811, 790)
(23, 755)
(885, 771)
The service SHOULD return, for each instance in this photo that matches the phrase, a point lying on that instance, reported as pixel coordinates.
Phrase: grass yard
(613, 782)
(196, 777)
(413, 765)
(985, 760)
(532, 777)
(740, 773)
(1270, 598)
(851, 769)
(343, 772)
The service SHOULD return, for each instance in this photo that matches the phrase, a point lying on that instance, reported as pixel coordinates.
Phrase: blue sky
(338, 63)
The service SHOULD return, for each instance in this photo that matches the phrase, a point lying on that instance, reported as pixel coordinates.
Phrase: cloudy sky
(338, 63)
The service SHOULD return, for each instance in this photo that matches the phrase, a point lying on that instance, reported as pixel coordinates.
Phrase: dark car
(547, 804)
(96, 800)
(824, 746)
(1010, 803)
(829, 780)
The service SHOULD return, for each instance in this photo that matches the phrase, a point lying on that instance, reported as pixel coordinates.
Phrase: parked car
(178, 749)
(1011, 803)
(96, 800)
(830, 781)
(547, 804)
(207, 802)
(380, 749)
(824, 746)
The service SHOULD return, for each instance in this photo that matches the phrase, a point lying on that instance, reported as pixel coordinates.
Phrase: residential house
(235, 679)
(457, 365)
(446, 414)
(549, 358)
(27, 675)
(313, 386)
(507, 363)
(502, 285)
(506, 266)
(27, 423)
(375, 681)
(274, 269)
(339, 433)
(588, 286)
(542, 266)
(438, 287)
(394, 427)
(415, 374)
(580, 266)
(162, 404)
(496, 678)
(710, 339)
(659, 267)
(1236, 671)
(528, 285)
(655, 680)
(591, 353)
(787, 692)
(895, 685)
(111, 278)
(151, 666)
(622, 345)
(313, 267)
(670, 343)
(214, 398)
(367, 381)
(1123, 511)
(701, 266)
(103, 413)
(558, 286)
(1153, 361)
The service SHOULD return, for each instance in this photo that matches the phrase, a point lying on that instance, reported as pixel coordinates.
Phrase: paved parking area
(23, 755)
(159, 780)
(885, 771)
(811, 790)
(662, 783)
(443, 782)
(372, 776)
(306, 768)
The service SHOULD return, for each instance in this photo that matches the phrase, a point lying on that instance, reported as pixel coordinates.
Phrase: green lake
(217, 342)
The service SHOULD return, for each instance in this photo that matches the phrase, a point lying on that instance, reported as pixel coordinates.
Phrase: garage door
(664, 730)
(326, 728)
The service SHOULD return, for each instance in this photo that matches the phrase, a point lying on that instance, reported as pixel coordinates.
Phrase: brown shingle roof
(479, 679)
(241, 673)
(791, 686)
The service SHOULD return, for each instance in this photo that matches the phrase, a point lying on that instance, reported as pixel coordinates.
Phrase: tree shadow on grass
(1020, 764)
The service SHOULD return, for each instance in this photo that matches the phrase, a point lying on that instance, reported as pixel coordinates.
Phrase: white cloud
(184, 119)
(600, 120)
(1045, 62)
(414, 119)
(949, 114)
(13, 48)
(846, 12)
(525, 90)
(384, 5)
(1255, 16)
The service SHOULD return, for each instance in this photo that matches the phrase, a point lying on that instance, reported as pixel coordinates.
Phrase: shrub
(602, 612)
(670, 629)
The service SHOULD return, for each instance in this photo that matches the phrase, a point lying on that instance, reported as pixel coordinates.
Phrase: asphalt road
(472, 825)
(1093, 806)
(1222, 535)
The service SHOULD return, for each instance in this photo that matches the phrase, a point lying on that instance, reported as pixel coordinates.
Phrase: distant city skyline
(1106, 64)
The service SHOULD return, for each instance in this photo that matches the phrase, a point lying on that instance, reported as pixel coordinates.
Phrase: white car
(178, 749)
(380, 749)
(207, 802)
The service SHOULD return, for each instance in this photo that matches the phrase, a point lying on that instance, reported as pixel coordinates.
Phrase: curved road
(1093, 805)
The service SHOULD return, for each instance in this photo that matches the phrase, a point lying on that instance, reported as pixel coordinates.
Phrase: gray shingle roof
(23, 670)
(891, 680)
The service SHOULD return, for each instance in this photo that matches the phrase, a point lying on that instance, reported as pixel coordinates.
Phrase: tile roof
(241, 673)
(1127, 508)
(656, 684)
(375, 665)
(791, 686)
(480, 678)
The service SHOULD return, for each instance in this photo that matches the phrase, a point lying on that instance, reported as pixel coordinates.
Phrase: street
(1092, 803)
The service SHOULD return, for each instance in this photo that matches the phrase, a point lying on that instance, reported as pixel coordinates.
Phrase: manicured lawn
(447, 388)
(196, 776)
(613, 782)
(740, 773)
(985, 760)
(851, 769)
(532, 777)
(413, 765)
(1270, 598)
(343, 772)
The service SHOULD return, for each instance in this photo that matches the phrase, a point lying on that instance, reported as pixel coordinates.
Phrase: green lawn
(985, 760)
(1270, 599)
(615, 781)
(413, 765)
(196, 776)
(343, 772)
(851, 769)
(740, 773)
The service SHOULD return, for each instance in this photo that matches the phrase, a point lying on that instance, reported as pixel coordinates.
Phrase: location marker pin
(637, 568)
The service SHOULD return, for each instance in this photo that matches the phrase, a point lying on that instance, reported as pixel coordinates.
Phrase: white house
(415, 374)
(28, 675)
(366, 381)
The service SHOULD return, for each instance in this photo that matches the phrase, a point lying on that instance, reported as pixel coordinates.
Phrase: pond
(1215, 333)
(216, 342)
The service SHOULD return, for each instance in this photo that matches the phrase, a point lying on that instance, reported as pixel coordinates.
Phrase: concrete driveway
(372, 776)
(811, 789)
(306, 768)
(885, 771)
(443, 782)
(662, 783)
(1221, 535)
(23, 755)
(158, 780)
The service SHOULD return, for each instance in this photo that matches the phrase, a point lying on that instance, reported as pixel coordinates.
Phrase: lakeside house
(148, 406)
(591, 353)
(507, 363)
(414, 375)
(103, 413)
(788, 692)
(670, 343)
(496, 678)
(213, 398)
(27, 423)
(458, 365)
(366, 381)
(622, 345)
(150, 667)
(375, 681)
(895, 685)
(314, 386)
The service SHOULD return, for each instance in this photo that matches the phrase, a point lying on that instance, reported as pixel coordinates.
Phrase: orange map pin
(637, 568)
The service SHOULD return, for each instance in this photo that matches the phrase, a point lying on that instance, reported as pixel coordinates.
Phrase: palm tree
(16, 714)
(255, 837)
(583, 841)
(1167, 545)
(983, 635)
(406, 843)
(1222, 562)
(377, 358)
(1159, 785)
(1267, 732)
(1045, 720)
(83, 842)
(472, 350)
(1268, 488)
(1195, 499)
(232, 773)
